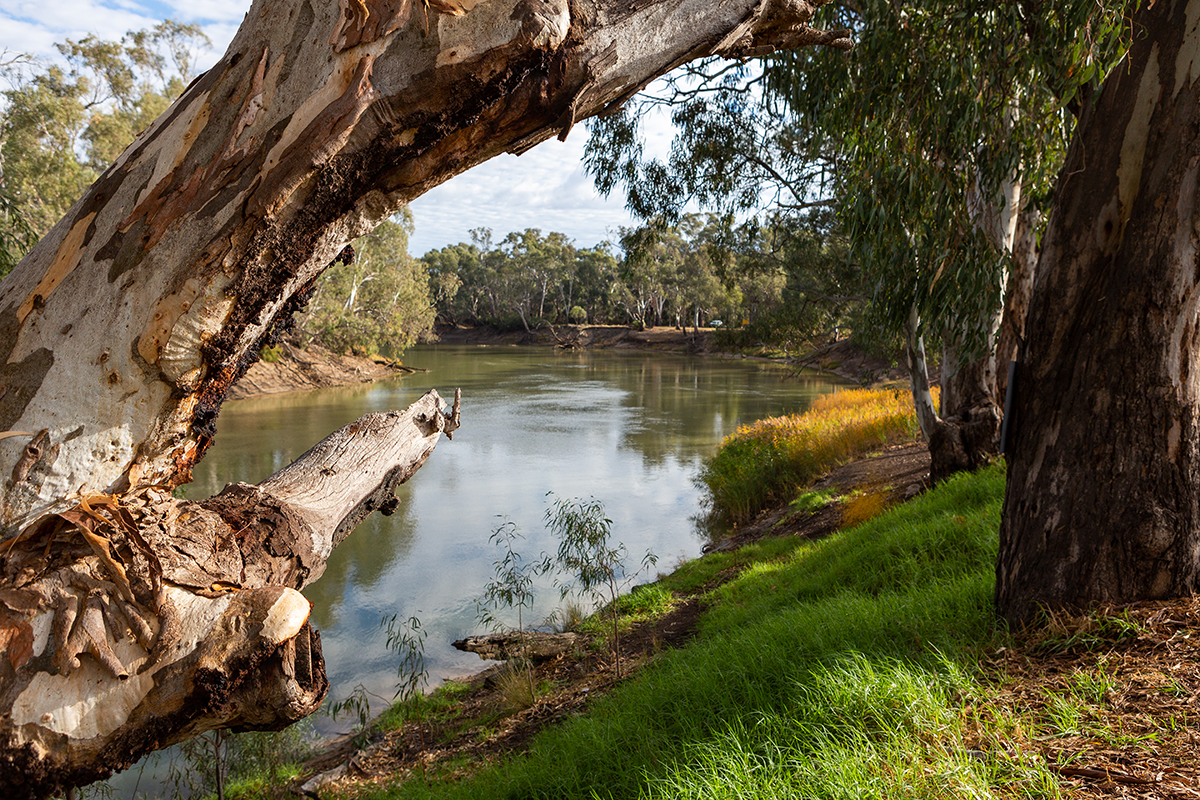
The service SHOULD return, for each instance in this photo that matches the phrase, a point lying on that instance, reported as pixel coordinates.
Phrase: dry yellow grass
(768, 460)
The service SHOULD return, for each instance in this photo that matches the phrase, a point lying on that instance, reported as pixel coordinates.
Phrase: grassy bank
(825, 669)
(766, 462)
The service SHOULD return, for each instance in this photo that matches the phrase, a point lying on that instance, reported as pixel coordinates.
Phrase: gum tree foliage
(699, 269)
(593, 565)
(126, 324)
(378, 301)
(940, 104)
(937, 101)
(784, 269)
(61, 125)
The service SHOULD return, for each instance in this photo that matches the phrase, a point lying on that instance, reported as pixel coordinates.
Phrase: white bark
(122, 330)
(156, 619)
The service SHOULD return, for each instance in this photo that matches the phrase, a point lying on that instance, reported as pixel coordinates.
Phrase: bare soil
(1114, 695)
(301, 369)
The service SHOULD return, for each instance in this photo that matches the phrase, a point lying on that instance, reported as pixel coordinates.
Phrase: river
(627, 428)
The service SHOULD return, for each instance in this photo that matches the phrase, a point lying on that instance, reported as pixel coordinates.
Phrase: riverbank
(295, 369)
(473, 723)
(858, 662)
(843, 358)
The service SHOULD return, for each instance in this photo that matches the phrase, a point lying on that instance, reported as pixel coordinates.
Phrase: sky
(546, 188)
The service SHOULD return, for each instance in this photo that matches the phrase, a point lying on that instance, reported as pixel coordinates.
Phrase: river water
(629, 429)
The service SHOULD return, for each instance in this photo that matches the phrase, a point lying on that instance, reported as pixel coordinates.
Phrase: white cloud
(546, 188)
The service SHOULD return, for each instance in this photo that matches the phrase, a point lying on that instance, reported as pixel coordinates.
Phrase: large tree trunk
(1102, 503)
(124, 328)
(134, 621)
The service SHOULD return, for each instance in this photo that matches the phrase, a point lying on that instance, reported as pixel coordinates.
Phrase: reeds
(768, 461)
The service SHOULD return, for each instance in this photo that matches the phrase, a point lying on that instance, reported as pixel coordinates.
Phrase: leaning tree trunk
(124, 328)
(1102, 502)
(965, 434)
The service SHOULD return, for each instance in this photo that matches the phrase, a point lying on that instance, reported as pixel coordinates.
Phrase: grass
(839, 668)
(643, 603)
(764, 463)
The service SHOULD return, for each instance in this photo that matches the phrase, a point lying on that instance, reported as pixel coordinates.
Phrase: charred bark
(123, 329)
(1104, 464)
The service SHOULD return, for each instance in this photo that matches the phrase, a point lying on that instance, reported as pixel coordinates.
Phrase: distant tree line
(779, 277)
(784, 277)
(62, 124)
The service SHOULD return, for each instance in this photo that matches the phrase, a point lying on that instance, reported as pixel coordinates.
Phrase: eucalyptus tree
(536, 266)
(1103, 496)
(947, 121)
(376, 301)
(124, 327)
(62, 125)
(931, 137)
(596, 276)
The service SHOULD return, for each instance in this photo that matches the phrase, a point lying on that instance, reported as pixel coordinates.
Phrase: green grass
(643, 603)
(833, 669)
(810, 502)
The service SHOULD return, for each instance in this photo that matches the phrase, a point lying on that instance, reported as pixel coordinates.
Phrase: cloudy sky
(545, 188)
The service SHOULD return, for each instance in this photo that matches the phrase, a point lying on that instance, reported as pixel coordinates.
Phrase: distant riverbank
(294, 369)
(843, 358)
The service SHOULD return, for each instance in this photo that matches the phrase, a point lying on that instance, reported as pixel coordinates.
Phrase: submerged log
(132, 622)
(533, 645)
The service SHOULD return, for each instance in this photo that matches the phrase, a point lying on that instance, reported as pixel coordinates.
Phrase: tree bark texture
(131, 622)
(1104, 464)
(123, 329)
(965, 434)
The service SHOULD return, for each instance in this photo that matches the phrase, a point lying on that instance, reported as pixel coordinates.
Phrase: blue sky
(545, 188)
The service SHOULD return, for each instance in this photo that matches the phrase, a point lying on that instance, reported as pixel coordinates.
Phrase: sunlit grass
(766, 462)
(834, 669)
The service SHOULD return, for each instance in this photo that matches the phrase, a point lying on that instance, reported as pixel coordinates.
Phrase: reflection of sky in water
(629, 429)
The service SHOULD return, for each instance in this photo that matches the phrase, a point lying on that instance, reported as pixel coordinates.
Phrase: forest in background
(776, 277)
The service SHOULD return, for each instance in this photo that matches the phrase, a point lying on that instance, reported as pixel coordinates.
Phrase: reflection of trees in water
(363, 559)
(263, 435)
(683, 405)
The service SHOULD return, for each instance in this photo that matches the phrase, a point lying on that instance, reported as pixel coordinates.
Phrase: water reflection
(630, 429)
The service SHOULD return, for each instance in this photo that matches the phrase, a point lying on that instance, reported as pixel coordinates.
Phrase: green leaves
(59, 128)
(379, 304)
(939, 103)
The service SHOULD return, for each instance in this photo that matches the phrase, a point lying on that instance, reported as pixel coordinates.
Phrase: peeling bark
(136, 621)
(124, 328)
(1104, 463)
(130, 620)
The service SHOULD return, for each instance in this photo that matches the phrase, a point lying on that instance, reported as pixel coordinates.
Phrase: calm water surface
(629, 429)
